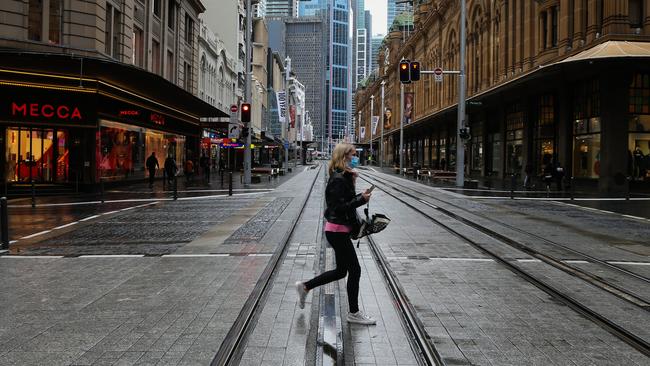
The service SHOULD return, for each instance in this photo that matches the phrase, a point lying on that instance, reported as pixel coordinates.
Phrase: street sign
(286, 145)
(233, 108)
(233, 130)
(437, 73)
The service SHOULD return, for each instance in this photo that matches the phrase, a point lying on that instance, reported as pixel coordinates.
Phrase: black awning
(123, 79)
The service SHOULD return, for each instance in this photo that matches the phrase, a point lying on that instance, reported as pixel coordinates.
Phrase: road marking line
(110, 212)
(37, 234)
(428, 204)
(111, 256)
(462, 259)
(260, 255)
(631, 263)
(575, 261)
(89, 218)
(33, 256)
(195, 255)
(66, 225)
(528, 260)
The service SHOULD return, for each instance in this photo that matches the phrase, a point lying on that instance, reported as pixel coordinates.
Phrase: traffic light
(404, 72)
(244, 131)
(464, 133)
(245, 112)
(415, 71)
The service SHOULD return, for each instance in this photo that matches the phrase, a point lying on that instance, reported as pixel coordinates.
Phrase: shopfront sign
(36, 110)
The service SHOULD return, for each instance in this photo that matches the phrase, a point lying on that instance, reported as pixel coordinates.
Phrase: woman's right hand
(366, 195)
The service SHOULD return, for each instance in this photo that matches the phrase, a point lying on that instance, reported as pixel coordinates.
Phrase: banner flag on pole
(282, 105)
(362, 132)
(375, 122)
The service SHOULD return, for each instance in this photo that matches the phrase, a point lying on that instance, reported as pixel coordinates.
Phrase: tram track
(232, 348)
(619, 331)
(596, 280)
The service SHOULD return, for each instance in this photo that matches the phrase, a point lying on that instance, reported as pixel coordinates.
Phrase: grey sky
(378, 10)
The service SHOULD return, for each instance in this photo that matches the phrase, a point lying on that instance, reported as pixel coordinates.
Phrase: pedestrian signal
(404, 72)
(244, 132)
(415, 71)
(245, 112)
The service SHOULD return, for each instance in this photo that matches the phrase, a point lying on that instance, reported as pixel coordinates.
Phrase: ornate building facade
(554, 82)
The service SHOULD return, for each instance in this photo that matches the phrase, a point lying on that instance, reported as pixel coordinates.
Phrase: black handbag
(369, 226)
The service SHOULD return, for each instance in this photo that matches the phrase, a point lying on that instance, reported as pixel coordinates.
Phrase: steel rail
(584, 275)
(230, 349)
(418, 339)
(547, 241)
(626, 336)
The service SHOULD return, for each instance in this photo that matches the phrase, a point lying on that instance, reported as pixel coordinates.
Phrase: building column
(503, 42)
(529, 21)
(646, 17)
(578, 23)
(549, 28)
(592, 20)
(613, 143)
(512, 37)
(563, 24)
(518, 41)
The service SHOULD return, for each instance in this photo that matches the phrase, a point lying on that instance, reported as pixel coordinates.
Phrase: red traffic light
(404, 72)
(245, 112)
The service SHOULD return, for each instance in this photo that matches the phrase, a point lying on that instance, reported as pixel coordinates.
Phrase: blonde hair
(338, 157)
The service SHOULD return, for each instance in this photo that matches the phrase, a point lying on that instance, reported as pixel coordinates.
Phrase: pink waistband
(337, 228)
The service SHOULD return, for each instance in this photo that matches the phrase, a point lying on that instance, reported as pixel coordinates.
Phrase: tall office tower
(361, 56)
(395, 9)
(375, 45)
(305, 39)
(308, 8)
(281, 8)
(259, 9)
(368, 22)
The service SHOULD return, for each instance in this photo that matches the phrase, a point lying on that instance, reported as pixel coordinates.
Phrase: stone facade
(518, 54)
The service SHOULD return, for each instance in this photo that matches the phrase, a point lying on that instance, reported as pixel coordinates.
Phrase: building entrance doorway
(38, 154)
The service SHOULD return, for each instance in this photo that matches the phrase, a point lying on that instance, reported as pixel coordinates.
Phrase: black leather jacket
(341, 199)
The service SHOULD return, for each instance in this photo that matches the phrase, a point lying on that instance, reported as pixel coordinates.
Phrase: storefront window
(639, 128)
(514, 138)
(494, 141)
(124, 149)
(31, 153)
(443, 154)
(477, 147)
(426, 152)
(434, 153)
(586, 130)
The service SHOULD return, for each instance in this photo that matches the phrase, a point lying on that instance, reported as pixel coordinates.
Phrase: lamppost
(372, 112)
(381, 142)
(460, 143)
(287, 116)
(247, 91)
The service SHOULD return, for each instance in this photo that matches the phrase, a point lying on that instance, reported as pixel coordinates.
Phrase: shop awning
(612, 49)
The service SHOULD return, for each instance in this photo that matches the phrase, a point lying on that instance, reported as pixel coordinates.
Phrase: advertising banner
(362, 132)
(375, 122)
(408, 108)
(282, 105)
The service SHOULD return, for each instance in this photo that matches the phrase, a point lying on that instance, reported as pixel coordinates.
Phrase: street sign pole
(372, 116)
(287, 116)
(247, 94)
(381, 141)
(460, 143)
(401, 128)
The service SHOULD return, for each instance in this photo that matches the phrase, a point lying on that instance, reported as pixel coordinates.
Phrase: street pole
(381, 142)
(460, 143)
(287, 116)
(401, 128)
(372, 112)
(359, 129)
(247, 92)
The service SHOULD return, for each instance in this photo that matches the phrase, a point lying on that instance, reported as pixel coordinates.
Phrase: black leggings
(346, 262)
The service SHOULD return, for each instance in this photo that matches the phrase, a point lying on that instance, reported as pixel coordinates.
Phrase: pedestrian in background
(152, 165)
(170, 169)
(204, 163)
(529, 173)
(342, 202)
(189, 170)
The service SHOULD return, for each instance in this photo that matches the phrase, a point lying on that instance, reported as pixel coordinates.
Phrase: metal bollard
(572, 188)
(33, 194)
(627, 194)
(230, 184)
(101, 189)
(4, 222)
(175, 187)
(513, 182)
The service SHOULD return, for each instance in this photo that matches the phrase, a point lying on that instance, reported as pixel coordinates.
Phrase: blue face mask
(354, 162)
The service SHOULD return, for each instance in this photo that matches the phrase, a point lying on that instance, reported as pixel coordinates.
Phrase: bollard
(77, 183)
(627, 195)
(4, 222)
(164, 178)
(572, 188)
(101, 189)
(230, 184)
(33, 194)
(175, 187)
(513, 182)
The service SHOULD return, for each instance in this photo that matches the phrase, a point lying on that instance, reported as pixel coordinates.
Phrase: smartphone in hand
(372, 186)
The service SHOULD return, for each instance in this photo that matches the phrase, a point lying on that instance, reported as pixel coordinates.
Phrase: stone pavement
(135, 309)
(478, 312)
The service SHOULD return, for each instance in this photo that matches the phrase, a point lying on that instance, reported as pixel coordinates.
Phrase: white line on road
(428, 204)
(528, 260)
(111, 256)
(37, 234)
(66, 225)
(195, 255)
(575, 261)
(631, 263)
(33, 256)
(89, 218)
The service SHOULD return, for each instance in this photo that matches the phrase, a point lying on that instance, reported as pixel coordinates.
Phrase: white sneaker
(361, 318)
(302, 293)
